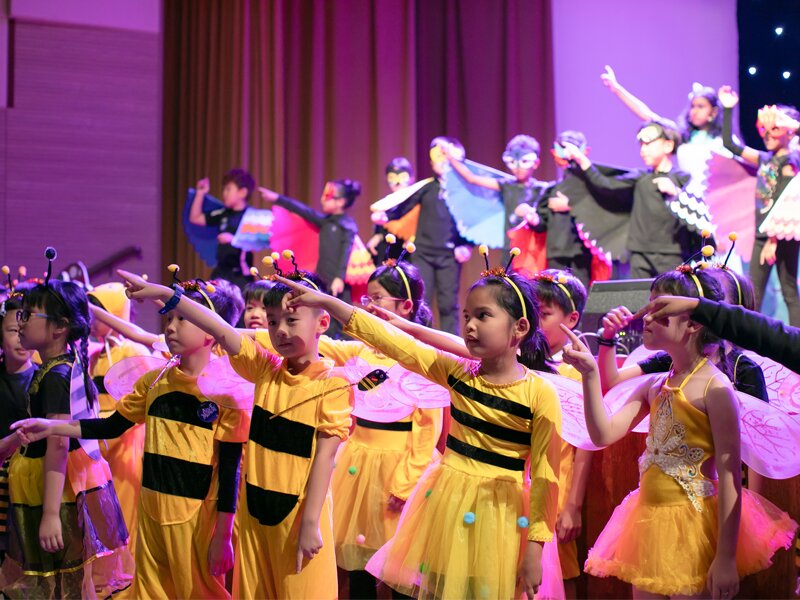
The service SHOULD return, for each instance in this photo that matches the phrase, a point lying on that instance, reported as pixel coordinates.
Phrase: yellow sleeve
(233, 426)
(133, 406)
(339, 351)
(415, 356)
(253, 362)
(262, 338)
(426, 427)
(545, 459)
(333, 414)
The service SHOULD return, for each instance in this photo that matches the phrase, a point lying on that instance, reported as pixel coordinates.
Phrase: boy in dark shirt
(233, 263)
(657, 239)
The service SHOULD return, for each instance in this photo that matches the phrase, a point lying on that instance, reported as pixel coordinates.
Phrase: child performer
(440, 248)
(191, 459)
(689, 529)
(657, 238)
(67, 534)
(562, 298)
(124, 454)
(301, 413)
(399, 175)
(233, 264)
(466, 530)
(776, 167)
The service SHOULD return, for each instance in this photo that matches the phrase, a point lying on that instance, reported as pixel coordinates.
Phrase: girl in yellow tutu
(689, 529)
(468, 529)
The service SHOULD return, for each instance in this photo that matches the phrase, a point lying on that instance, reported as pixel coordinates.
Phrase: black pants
(652, 264)
(786, 261)
(441, 273)
(580, 266)
(362, 586)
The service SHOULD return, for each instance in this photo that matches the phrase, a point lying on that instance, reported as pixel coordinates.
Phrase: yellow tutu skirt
(668, 548)
(438, 553)
(362, 523)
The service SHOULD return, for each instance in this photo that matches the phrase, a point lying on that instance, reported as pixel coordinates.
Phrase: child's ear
(323, 322)
(522, 327)
(406, 306)
(572, 319)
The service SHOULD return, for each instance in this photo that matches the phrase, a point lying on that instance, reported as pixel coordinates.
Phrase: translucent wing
(478, 211)
(123, 375)
(619, 395)
(359, 265)
(374, 403)
(637, 355)
(783, 221)
(222, 385)
(414, 390)
(770, 438)
(573, 421)
(202, 238)
(783, 385)
(397, 198)
(80, 408)
(729, 196)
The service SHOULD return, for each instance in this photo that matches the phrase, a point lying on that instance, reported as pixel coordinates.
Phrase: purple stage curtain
(301, 91)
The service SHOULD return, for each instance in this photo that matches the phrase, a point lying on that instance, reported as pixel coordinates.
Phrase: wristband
(601, 341)
(172, 302)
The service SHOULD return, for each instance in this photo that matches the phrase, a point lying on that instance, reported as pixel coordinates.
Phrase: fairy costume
(662, 538)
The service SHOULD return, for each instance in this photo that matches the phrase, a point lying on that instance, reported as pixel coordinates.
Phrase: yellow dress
(178, 499)
(123, 454)
(662, 537)
(290, 410)
(465, 525)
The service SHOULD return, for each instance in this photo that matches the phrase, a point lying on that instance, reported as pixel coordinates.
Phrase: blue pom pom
(522, 522)
(469, 518)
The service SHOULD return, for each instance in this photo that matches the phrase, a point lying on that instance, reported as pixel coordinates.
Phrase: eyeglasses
(24, 315)
(367, 300)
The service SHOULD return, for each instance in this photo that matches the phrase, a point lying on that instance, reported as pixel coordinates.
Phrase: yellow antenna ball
(268, 261)
(515, 251)
(210, 288)
(705, 233)
(704, 266)
(23, 271)
(254, 271)
(411, 247)
(275, 256)
(390, 238)
(562, 278)
(173, 268)
(483, 249)
(708, 251)
(288, 254)
(412, 239)
(145, 277)
(6, 270)
(732, 236)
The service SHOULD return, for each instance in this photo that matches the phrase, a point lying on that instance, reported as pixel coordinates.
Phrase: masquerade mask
(400, 178)
(517, 160)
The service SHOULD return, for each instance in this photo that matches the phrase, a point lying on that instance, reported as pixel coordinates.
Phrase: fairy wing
(414, 390)
(395, 199)
(729, 196)
(783, 221)
(573, 421)
(202, 238)
(783, 385)
(478, 211)
(219, 383)
(370, 398)
(637, 355)
(123, 375)
(292, 232)
(770, 438)
(80, 408)
(359, 265)
(619, 395)
(255, 230)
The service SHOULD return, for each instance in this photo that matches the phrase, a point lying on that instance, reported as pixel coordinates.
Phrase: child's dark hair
(570, 136)
(548, 291)
(67, 301)
(533, 350)
(226, 298)
(392, 282)
(399, 164)
(274, 295)
(526, 143)
(737, 288)
(256, 291)
(10, 306)
(714, 127)
(241, 179)
(348, 189)
(444, 140)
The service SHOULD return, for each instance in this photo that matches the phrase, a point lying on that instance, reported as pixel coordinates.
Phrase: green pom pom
(428, 493)
(352, 470)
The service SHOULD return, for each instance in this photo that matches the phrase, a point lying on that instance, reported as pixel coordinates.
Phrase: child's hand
(50, 533)
(558, 203)
(723, 578)
(769, 253)
(666, 186)
(301, 295)
(615, 321)
(523, 210)
(203, 186)
(727, 96)
(137, 288)
(220, 555)
(379, 217)
(225, 238)
(529, 576)
(576, 155)
(568, 524)
(337, 286)
(372, 244)
(577, 354)
(32, 430)
(462, 253)
(309, 543)
(609, 79)
(395, 504)
(666, 306)
(267, 194)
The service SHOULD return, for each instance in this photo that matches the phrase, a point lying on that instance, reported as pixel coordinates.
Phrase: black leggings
(786, 262)
(362, 587)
